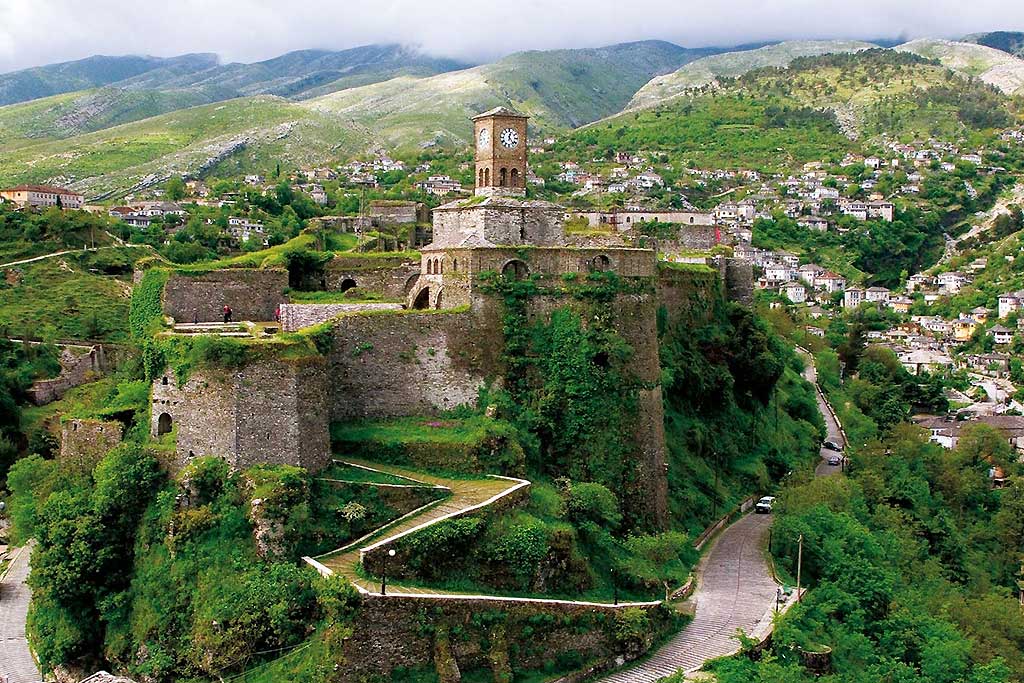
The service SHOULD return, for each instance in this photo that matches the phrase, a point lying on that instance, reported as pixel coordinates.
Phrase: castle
(444, 347)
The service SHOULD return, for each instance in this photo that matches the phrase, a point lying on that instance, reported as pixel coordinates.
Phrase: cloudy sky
(34, 32)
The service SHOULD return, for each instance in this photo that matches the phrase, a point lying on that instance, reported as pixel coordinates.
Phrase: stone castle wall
(691, 238)
(251, 294)
(296, 316)
(83, 443)
(391, 277)
(270, 411)
(500, 222)
(410, 632)
(410, 363)
(77, 368)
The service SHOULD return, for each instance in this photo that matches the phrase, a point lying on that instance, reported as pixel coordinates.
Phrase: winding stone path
(16, 662)
(466, 495)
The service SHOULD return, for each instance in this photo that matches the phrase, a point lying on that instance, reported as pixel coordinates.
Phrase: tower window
(503, 178)
(515, 177)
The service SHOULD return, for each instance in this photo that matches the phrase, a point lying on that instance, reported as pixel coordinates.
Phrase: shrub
(592, 502)
(146, 312)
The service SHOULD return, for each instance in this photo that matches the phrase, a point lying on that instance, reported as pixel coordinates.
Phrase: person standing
(227, 313)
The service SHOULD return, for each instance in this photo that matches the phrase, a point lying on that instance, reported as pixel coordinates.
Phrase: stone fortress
(444, 346)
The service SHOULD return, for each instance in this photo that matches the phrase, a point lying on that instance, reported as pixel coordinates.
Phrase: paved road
(16, 663)
(735, 591)
(831, 426)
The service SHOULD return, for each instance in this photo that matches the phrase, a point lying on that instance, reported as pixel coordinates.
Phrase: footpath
(16, 662)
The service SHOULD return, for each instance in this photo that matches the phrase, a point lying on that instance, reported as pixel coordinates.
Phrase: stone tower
(500, 136)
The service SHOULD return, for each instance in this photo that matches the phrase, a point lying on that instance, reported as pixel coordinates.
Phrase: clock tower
(500, 138)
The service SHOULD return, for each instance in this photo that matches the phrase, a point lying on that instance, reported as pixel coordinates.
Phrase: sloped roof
(501, 111)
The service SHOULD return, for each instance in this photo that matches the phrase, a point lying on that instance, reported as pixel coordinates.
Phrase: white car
(765, 505)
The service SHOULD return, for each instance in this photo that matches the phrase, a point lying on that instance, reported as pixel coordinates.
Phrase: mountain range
(106, 124)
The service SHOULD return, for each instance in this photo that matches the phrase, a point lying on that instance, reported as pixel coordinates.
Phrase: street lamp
(615, 587)
(384, 576)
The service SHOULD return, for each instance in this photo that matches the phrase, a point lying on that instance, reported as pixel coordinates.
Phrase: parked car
(765, 505)
(832, 446)
(834, 460)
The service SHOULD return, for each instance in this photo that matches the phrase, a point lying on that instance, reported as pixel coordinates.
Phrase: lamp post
(615, 588)
(384, 576)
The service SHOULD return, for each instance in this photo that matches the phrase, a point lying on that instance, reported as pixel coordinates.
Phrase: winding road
(735, 589)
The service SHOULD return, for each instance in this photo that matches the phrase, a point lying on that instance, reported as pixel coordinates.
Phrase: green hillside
(70, 114)
(731, 64)
(773, 118)
(181, 142)
(988, 64)
(559, 89)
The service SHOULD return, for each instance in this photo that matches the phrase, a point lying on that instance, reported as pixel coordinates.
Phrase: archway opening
(347, 284)
(601, 262)
(515, 178)
(515, 270)
(503, 178)
(422, 300)
(164, 424)
(487, 177)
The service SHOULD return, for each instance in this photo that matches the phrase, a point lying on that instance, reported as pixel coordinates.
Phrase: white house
(877, 294)
(794, 291)
(852, 297)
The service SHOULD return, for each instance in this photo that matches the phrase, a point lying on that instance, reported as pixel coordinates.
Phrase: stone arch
(437, 302)
(430, 267)
(440, 266)
(600, 262)
(515, 269)
(514, 178)
(480, 180)
(503, 178)
(164, 424)
(410, 283)
(347, 284)
(487, 177)
(422, 300)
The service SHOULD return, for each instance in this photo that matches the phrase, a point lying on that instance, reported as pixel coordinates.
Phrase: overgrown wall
(83, 443)
(465, 634)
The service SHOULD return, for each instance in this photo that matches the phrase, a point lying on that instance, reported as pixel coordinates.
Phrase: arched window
(515, 269)
(487, 177)
(163, 424)
(691, 219)
(430, 267)
(480, 181)
(503, 178)
(165, 381)
(601, 262)
(440, 265)
(515, 178)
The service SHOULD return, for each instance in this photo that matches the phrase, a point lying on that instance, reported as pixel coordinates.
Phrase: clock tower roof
(501, 111)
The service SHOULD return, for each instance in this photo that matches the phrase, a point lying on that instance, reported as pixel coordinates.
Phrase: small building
(963, 328)
(1001, 335)
(852, 297)
(794, 291)
(830, 282)
(1010, 302)
(42, 196)
(877, 294)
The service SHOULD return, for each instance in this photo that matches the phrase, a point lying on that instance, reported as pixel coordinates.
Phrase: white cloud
(45, 31)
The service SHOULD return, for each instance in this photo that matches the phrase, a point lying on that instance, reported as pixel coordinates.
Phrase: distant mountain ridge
(92, 72)
(988, 64)
(1011, 42)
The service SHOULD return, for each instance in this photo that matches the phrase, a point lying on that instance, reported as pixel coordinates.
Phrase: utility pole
(714, 515)
(799, 564)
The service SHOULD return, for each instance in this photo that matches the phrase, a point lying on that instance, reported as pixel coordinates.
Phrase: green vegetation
(910, 562)
(80, 295)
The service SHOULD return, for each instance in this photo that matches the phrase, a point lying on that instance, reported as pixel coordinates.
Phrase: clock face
(510, 138)
(485, 138)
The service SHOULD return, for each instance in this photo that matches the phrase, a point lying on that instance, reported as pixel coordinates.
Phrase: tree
(661, 557)
(175, 188)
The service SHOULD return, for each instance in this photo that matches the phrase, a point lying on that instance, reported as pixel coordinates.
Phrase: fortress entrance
(515, 270)
(347, 284)
(164, 424)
